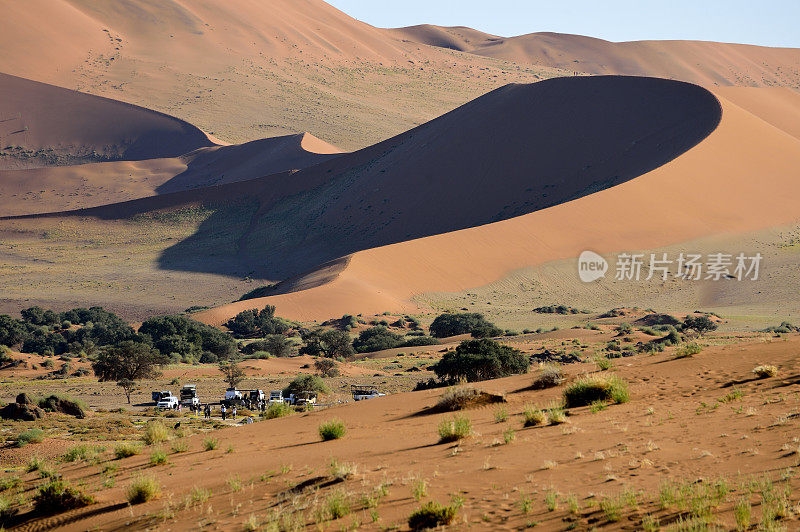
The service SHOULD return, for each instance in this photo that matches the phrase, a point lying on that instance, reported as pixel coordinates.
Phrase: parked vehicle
(276, 397)
(361, 392)
(168, 403)
(256, 396)
(160, 396)
(189, 395)
(303, 398)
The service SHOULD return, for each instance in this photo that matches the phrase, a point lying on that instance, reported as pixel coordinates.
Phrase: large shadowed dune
(515, 150)
(44, 125)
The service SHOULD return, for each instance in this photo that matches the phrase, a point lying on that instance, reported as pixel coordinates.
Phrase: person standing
(224, 411)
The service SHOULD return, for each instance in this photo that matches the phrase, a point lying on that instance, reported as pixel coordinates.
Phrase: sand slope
(708, 63)
(44, 125)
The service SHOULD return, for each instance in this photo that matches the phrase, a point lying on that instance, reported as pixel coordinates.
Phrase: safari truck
(361, 392)
(167, 403)
(276, 397)
(189, 395)
(303, 398)
(232, 397)
(160, 396)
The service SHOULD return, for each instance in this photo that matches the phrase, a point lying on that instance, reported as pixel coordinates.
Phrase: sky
(765, 22)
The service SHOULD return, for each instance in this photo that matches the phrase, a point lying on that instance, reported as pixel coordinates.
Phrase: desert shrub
(331, 343)
(465, 323)
(306, 383)
(155, 432)
(10, 482)
(763, 372)
(687, 350)
(624, 328)
(332, 430)
(209, 444)
(418, 340)
(252, 323)
(432, 515)
(457, 398)
(587, 390)
(477, 360)
(549, 376)
(784, 328)
(701, 324)
(533, 416)
(327, 367)
(376, 338)
(558, 309)
(672, 337)
(29, 436)
(125, 450)
(457, 428)
(276, 410)
(143, 488)
(12, 332)
(58, 496)
(648, 331)
(487, 331)
(187, 337)
(63, 403)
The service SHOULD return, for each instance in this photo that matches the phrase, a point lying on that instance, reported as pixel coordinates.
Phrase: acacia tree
(128, 386)
(232, 373)
(127, 363)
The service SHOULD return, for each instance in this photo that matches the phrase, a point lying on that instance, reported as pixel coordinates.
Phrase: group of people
(229, 411)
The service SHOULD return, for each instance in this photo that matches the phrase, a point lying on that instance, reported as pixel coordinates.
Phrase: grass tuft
(432, 515)
(587, 390)
(143, 488)
(457, 428)
(332, 430)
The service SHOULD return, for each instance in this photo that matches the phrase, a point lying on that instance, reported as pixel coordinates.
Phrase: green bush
(587, 390)
(477, 360)
(457, 428)
(276, 410)
(29, 436)
(209, 444)
(376, 339)
(432, 515)
(332, 430)
(143, 488)
(465, 323)
(79, 452)
(252, 323)
(58, 496)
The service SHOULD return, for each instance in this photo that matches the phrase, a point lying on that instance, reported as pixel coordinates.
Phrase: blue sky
(766, 22)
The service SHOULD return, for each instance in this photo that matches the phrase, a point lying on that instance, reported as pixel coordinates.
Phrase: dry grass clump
(455, 429)
(155, 432)
(765, 372)
(143, 488)
(58, 496)
(549, 376)
(589, 389)
(533, 416)
(124, 450)
(461, 397)
(432, 515)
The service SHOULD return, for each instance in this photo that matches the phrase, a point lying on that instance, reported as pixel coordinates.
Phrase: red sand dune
(44, 125)
(202, 34)
(706, 63)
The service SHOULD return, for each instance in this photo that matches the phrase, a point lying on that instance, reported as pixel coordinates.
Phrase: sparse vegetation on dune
(588, 389)
(332, 430)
